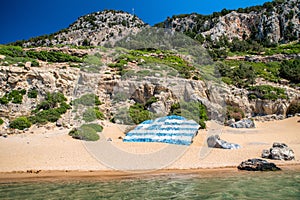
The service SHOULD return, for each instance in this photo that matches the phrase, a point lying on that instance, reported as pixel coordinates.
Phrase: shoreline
(112, 175)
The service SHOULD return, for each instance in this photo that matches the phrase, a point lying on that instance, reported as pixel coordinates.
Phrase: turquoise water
(255, 185)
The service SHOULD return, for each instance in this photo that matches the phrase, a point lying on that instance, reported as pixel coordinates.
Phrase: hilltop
(94, 29)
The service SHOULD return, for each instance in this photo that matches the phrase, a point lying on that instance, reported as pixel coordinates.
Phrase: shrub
(51, 109)
(268, 92)
(1, 121)
(35, 63)
(290, 70)
(96, 127)
(52, 56)
(51, 101)
(191, 110)
(32, 93)
(20, 123)
(92, 114)
(138, 113)
(87, 132)
(51, 115)
(14, 96)
(87, 100)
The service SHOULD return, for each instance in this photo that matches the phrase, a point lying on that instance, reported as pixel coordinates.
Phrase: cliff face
(274, 22)
(93, 30)
(117, 92)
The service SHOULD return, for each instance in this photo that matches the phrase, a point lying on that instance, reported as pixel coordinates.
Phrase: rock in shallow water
(256, 164)
(279, 151)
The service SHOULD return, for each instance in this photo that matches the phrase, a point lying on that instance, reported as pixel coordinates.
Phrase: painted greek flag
(170, 129)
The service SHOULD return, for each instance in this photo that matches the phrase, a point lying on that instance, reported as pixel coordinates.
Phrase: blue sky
(23, 19)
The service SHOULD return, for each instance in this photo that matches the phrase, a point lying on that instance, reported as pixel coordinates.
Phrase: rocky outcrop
(94, 29)
(279, 151)
(214, 141)
(273, 22)
(244, 123)
(42, 79)
(257, 165)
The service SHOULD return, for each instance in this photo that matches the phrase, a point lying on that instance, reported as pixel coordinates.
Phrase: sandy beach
(53, 152)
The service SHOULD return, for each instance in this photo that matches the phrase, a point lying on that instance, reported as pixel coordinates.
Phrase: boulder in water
(279, 151)
(256, 164)
(214, 141)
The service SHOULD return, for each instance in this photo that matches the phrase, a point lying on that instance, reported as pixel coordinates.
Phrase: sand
(54, 151)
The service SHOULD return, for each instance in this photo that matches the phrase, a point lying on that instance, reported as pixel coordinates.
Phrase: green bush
(87, 100)
(87, 132)
(138, 113)
(51, 101)
(32, 93)
(1, 121)
(20, 123)
(35, 63)
(51, 109)
(96, 127)
(290, 70)
(14, 96)
(92, 114)
(12, 51)
(191, 110)
(52, 56)
(268, 92)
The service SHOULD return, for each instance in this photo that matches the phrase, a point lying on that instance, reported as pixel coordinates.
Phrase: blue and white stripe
(170, 129)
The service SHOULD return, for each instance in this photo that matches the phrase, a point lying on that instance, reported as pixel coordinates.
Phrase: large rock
(279, 151)
(244, 123)
(214, 141)
(257, 165)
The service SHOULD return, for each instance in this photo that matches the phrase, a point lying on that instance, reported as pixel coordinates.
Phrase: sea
(283, 185)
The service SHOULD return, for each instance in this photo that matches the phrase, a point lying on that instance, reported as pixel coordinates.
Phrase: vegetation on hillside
(266, 92)
(88, 106)
(153, 56)
(14, 96)
(51, 109)
(191, 110)
(244, 73)
(17, 55)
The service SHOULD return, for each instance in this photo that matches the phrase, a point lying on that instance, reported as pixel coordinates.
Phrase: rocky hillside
(94, 29)
(126, 87)
(274, 22)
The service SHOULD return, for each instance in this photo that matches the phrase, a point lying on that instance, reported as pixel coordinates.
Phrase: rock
(27, 65)
(257, 165)
(244, 123)
(214, 141)
(231, 121)
(59, 123)
(279, 151)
